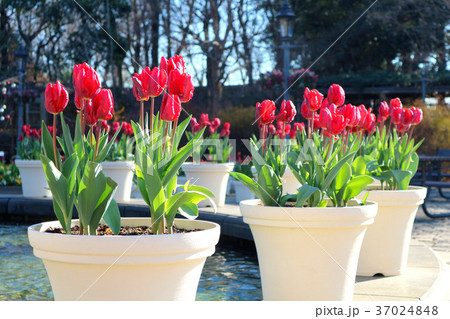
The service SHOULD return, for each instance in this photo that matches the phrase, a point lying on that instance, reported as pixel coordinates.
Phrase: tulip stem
(410, 134)
(54, 141)
(83, 116)
(173, 136)
(152, 108)
(142, 114)
(97, 142)
(165, 138)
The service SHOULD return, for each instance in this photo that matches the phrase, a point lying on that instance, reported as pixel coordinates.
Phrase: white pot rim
(118, 165)
(310, 217)
(28, 163)
(208, 166)
(413, 195)
(72, 248)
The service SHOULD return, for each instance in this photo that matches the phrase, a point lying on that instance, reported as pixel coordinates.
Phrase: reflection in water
(229, 274)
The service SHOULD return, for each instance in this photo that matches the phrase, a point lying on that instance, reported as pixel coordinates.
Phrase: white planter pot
(242, 191)
(122, 173)
(290, 183)
(386, 244)
(213, 176)
(34, 182)
(153, 267)
(307, 253)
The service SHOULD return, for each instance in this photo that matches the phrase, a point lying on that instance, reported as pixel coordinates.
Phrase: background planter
(290, 183)
(242, 192)
(161, 267)
(34, 182)
(122, 173)
(307, 253)
(213, 176)
(386, 244)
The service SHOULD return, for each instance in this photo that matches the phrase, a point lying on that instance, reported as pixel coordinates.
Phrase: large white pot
(290, 183)
(386, 244)
(122, 173)
(213, 176)
(34, 182)
(152, 267)
(242, 191)
(307, 253)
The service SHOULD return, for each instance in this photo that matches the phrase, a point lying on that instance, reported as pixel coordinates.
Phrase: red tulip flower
(204, 120)
(351, 114)
(395, 104)
(56, 98)
(313, 99)
(369, 122)
(86, 81)
(306, 112)
(265, 112)
(336, 95)
(325, 118)
(337, 124)
(396, 115)
(141, 83)
(170, 107)
(407, 117)
(225, 129)
(180, 84)
(103, 105)
(174, 63)
(287, 111)
(418, 115)
(272, 129)
(402, 128)
(383, 112)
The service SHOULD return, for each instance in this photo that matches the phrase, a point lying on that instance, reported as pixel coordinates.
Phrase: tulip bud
(287, 111)
(265, 112)
(86, 81)
(56, 98)
(336, 95)
(170, 107)
(313, 99)
(394, 104)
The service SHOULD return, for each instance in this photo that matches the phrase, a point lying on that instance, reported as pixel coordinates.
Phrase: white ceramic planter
(122, 173)
(386, 244)
(242, 191)
(34, 182)
(290, 183)
(213, 176)
(161, 267)
(307, 253)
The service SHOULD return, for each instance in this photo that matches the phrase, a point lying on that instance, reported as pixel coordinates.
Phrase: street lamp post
(21, 58)
(286, 20)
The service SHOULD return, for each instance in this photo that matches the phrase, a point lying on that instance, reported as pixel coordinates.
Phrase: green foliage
(122, 149)
(79, 180)
(29, 148)
(391, 159)
(158, 160)
(9, 175)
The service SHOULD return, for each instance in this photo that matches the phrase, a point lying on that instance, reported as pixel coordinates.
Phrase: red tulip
(91, 117)
(265, 112)
(26, 129)
(170, 107)
(287, 111)
(225, 129)
(56, 98)
(174, 63)
(86, 82)
(215, 124)
(383, 112)
(396, 115)
(325, 118)
(306, 113)
(363, 112)
(369, 122)
(351, 114)
(204, 120)
(394, 104)
(272, 129)
(313, 99)
(50, 129)
(127, 128)
(157, 82)
(103, 105)
(316, 121)
(402, 128)
(418, 115)
(180, 84)
(140, 85)
(407, 117)
(287, 129)
(20, 138)
(336, 95)
(116, 126)
(337, 124)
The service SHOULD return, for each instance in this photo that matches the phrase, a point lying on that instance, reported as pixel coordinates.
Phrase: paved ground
(434, 232)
